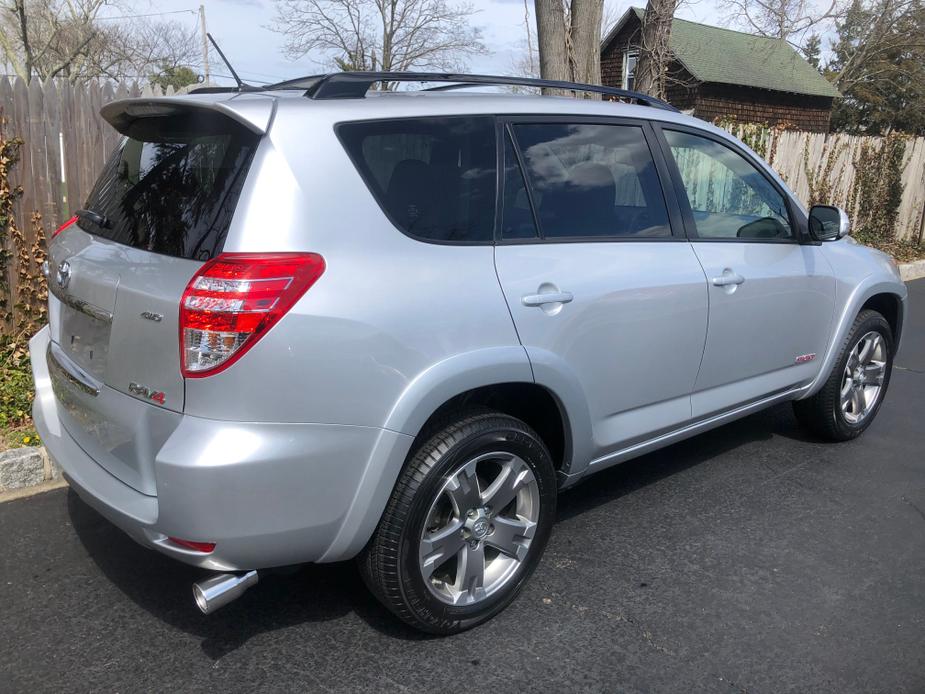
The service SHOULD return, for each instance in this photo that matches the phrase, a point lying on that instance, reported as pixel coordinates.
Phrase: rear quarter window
(433, 177)
(171, 185)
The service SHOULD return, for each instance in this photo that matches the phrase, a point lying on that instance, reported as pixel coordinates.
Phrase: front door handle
(728, 278)
(546, 298)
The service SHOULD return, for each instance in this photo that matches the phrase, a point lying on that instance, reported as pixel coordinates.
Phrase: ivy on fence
(15, 373)
(880, 181)
(9, 156)
(877, 191)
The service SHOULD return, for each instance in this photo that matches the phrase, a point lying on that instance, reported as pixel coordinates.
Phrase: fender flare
(452, 376)
(553, 373)
(869, 287)
(494, 366)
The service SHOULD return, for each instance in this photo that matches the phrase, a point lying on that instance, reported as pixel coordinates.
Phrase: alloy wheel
(479, 528)
(862, 381)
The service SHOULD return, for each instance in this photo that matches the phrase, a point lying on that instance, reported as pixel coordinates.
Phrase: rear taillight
(234, 300)
(72, 220)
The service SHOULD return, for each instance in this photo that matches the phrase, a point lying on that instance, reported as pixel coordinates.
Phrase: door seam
(706, 327)
(494, 262)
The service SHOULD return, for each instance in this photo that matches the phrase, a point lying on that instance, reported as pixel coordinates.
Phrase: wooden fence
(798, 155)
(65, 142)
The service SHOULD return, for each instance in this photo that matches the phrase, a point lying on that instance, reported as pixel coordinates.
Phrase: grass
(19, 437)
(16, 393)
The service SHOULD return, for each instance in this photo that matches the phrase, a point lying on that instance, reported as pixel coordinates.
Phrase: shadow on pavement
(625, 478)
(316, 593)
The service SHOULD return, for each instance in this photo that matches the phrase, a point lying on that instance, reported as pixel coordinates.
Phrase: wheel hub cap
(478, 523)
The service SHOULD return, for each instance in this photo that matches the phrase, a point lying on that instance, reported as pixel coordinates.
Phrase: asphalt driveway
(751, 558)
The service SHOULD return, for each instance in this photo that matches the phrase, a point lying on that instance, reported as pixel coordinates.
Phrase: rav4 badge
(147, 393)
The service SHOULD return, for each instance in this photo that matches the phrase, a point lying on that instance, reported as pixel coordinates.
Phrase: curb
(912, 271)
(23, 468)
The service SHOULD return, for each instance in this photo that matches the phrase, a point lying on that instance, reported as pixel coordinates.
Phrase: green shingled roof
(713, 54)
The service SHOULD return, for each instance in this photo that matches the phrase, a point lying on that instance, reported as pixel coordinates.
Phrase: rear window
(172, 184)
(433, 177)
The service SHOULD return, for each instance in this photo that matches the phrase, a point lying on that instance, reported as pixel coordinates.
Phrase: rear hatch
(161, 207)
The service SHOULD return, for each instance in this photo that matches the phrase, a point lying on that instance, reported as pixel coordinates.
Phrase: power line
(261, 74)
(137, 16)
(218, 74)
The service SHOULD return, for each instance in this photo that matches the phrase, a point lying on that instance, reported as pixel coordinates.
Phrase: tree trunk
(24, 37)
(586, 19)
(552, 42)
(652, 66)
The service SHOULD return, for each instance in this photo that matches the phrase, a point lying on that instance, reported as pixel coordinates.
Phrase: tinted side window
(171, 186)
(592, 180)
(434, 177)
(729, 197)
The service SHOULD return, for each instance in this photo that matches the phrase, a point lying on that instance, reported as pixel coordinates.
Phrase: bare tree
(878, 64)
(526, 60)
(46, 38)
(71, 39)
(868, 34)
(380, 34)
(611, 15)
(782, 19)
(654, 53)
(532, 61)
(552, 40)
(568, 36)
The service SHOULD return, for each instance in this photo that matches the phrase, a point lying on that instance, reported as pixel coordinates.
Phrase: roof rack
(354, 85)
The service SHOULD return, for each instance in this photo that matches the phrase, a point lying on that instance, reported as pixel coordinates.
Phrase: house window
(630, 57)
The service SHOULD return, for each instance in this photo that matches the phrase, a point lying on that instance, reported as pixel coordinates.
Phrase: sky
(241, 28)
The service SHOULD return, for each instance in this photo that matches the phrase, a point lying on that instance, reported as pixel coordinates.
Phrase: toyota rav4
(314, 322)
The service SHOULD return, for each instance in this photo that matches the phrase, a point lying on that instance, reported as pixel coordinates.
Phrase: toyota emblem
(63, 275)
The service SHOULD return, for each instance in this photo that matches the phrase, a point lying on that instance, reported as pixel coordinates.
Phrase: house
(716, 73)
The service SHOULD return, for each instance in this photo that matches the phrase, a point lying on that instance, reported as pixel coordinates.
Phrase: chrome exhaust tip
(218, 590)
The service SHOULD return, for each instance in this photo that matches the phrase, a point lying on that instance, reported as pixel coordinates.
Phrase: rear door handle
(547, 298)
(728, 278)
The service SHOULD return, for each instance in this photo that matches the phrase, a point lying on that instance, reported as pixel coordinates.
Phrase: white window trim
(627, 54)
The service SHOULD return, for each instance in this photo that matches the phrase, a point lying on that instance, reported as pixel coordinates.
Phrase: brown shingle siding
(761, 106)
(712, 100)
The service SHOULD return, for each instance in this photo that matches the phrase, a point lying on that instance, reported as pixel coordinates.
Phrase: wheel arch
(541, 394)
(529, 402)
(890, 306)
(499, 377)
(886, 296)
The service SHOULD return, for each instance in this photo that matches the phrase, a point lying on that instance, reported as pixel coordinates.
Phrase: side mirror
(828, 223)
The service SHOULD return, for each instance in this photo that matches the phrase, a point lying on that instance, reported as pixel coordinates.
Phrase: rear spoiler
(254, 112)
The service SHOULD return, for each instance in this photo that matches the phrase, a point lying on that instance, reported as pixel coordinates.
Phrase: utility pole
(205, 43)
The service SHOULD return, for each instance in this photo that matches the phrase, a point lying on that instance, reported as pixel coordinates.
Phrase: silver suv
(310, 323)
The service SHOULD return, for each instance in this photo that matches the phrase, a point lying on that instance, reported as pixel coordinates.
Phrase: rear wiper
(95, 217)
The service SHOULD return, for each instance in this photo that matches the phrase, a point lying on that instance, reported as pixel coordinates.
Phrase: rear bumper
(267, 494)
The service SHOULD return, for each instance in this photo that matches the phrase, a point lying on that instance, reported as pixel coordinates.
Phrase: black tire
(389, 563)
(822, 413)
